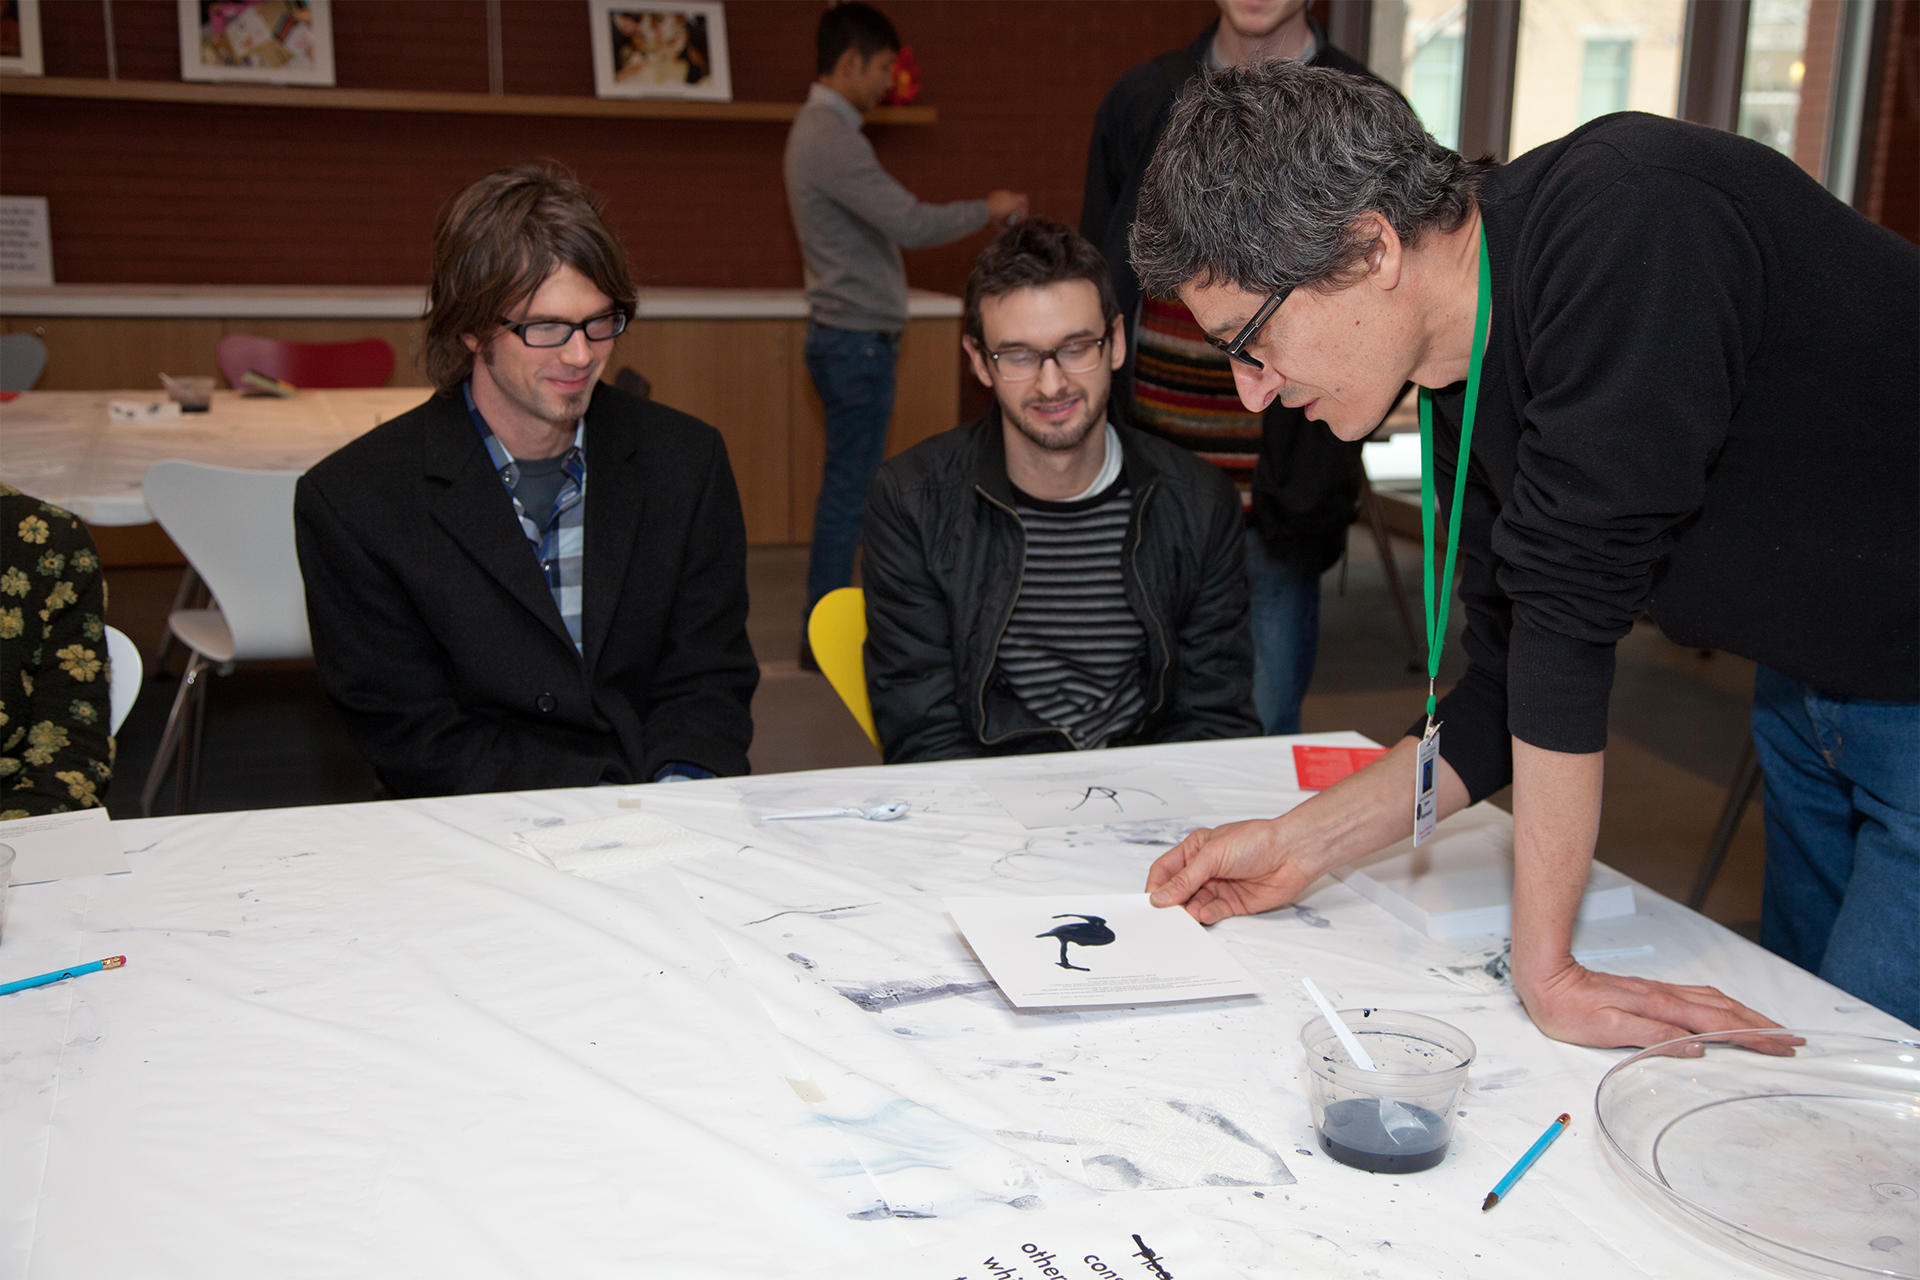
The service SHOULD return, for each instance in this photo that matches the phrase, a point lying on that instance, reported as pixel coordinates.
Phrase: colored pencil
(111, 962)
(1525, 1162)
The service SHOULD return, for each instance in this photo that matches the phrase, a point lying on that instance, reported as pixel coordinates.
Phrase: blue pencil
(1525, 1162)
(111, 962)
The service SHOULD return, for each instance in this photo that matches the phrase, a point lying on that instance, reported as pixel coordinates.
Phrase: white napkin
(623, 842)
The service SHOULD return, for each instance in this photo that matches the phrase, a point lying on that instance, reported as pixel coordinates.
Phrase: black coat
(1306, 485)
(942, 556)
(437, 637)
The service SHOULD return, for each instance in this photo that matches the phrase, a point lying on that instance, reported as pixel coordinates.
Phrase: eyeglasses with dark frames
(1235, 350)
(558, 333)
(1019, 364)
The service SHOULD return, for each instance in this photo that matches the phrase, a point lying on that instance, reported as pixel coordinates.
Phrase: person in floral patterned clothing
(55, 750)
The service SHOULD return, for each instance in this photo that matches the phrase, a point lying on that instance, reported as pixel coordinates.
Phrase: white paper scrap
(623, 842)
(1459, 884)
(59, 845)
(1081, 796)
(1064, 950)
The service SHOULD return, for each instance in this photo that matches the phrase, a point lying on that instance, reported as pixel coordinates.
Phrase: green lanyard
(1437, 622)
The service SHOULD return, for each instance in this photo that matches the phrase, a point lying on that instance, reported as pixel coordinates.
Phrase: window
(1579, 61)
(1605, 68)
(1420, 46)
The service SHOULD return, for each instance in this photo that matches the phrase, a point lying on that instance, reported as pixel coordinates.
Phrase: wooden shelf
(507, 104)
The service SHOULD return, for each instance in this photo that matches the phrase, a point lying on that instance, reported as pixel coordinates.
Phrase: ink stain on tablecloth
(881, 996)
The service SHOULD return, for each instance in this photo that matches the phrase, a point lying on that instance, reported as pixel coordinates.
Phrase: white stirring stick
(1348, 1041)
(1395, 1118)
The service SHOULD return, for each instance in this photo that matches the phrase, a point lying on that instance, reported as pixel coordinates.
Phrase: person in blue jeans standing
(853, 218)
(1842, 890)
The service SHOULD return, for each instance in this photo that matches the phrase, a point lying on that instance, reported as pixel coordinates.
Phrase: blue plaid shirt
(560, 540)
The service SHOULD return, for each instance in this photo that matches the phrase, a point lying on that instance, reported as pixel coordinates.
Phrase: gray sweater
(852, 218)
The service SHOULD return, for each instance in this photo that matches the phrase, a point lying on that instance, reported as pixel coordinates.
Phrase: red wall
(151, 193)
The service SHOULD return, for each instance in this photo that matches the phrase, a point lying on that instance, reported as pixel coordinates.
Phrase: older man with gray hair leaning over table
(1693, 374)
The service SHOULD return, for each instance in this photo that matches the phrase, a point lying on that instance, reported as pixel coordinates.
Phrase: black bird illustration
(1094, 933)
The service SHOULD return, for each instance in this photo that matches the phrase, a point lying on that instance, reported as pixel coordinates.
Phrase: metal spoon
(879, 813)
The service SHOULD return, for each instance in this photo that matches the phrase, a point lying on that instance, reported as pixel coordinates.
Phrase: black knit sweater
(1701, 402)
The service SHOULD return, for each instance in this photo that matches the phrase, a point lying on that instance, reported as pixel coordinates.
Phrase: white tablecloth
(388, 1039)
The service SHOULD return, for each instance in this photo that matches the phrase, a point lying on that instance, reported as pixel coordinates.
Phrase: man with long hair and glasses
(533, 579)
(1042, 579)
(1663, 372)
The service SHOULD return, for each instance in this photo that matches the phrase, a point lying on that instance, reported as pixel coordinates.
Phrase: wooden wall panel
(87, 354)
(733, 374)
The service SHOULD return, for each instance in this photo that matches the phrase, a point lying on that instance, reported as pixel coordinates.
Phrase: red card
(1320, 767)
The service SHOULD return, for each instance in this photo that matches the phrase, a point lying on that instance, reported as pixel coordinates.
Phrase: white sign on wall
(26, 247)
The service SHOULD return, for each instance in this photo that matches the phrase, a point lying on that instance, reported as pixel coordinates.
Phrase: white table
(63, 447)
(384, 1039)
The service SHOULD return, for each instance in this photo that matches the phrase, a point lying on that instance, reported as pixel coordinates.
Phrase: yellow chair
(836, 632)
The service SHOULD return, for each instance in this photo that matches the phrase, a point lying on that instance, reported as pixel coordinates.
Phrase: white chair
(124, 656)
(236, 530)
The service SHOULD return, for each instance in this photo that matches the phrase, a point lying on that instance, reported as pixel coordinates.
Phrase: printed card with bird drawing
(1065, 950)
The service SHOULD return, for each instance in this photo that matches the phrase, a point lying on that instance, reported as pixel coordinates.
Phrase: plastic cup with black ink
(1398, 1117)
(193, 393)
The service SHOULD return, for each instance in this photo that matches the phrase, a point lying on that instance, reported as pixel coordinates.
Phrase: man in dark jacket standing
(1299, 484)
(1042, 580)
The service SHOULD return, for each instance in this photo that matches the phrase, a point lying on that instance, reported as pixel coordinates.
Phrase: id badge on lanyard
(1426, 797)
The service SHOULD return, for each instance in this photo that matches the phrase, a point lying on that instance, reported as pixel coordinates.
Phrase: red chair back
(363, 362)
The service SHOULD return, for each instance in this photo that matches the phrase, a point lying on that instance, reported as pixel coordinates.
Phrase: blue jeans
(1842, 894)
(852, 370)
(1286, 635)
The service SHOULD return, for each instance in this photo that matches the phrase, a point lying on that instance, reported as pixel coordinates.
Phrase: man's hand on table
(1235, 870)
(1608, 1011)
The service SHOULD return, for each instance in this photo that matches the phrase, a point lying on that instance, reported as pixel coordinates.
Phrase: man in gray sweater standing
(852, 219)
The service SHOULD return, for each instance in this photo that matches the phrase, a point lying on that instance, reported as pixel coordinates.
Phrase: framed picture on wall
(660, 50)
(20, 37)
(258, 41)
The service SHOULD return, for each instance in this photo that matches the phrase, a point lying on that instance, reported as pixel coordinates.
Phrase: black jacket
(1306, 485)
(436, 636)
(942, 561)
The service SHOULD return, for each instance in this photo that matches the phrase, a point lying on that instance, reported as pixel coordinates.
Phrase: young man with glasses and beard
(533, 579)
(1042, 579)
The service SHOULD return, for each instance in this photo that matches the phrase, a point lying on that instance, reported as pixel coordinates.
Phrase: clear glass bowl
(1809, 1161)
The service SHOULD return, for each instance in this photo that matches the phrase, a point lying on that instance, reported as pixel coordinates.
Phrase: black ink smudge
(897, 995)
(813, 911)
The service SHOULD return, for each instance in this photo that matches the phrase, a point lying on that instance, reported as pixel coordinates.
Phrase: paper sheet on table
(1459, 884)
(624, 842)
(1080, 796)
(1058, 951)
(59, 845)
(1132, 1237)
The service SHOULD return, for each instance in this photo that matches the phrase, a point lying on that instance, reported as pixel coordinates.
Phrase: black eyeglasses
(1234, 350)
(1018, 364)
(558, 333)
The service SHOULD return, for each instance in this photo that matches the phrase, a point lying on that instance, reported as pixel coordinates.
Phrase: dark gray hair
(1264, 170)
